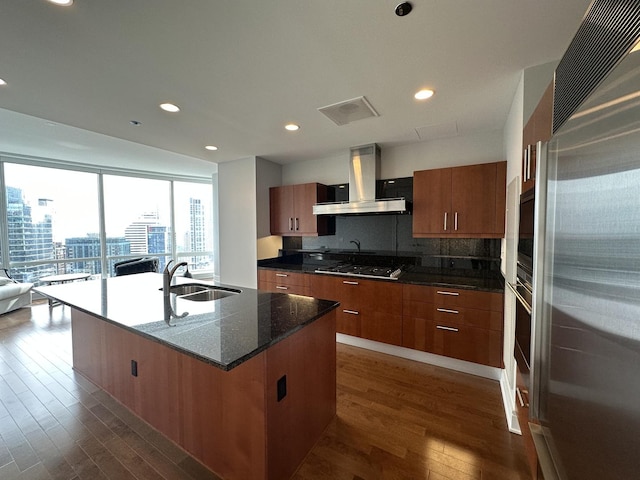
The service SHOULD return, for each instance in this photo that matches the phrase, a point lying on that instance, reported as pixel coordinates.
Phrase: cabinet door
(473, 199)
(305, 196)
(281, 210)
(432, 202)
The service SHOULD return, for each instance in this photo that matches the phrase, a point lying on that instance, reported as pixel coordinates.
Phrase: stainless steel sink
(197, 292)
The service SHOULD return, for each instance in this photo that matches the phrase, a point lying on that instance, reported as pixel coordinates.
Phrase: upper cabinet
(291, 210)
(537, 129)
(460, 202)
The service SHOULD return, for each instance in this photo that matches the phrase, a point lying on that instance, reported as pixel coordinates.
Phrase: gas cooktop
(383, 272)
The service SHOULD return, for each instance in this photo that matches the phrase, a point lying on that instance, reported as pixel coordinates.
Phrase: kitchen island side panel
(296, 420)
(230, 420)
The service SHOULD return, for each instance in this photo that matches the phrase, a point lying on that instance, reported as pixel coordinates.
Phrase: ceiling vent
(349, 111)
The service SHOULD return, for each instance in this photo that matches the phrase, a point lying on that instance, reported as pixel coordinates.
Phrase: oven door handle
(524, 303)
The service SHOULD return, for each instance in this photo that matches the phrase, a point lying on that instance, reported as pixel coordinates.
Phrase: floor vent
(607, 33)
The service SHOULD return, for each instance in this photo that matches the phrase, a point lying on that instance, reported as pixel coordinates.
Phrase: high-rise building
(87, 251)
(146, 235)
(30, 234)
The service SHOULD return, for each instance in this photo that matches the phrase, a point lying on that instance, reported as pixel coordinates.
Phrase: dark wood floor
(396, 419)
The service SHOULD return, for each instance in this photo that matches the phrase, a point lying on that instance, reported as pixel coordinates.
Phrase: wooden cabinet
(368, 309)
(463, 324)
(291, 210)
(237, 422)
(464, 201)
(283, 281)
(537, 129)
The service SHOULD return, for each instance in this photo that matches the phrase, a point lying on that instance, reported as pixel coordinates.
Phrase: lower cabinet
(457, 323)
(283, 281)
(368, 309)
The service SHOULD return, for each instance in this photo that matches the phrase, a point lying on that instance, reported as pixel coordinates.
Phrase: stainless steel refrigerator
(587, 298)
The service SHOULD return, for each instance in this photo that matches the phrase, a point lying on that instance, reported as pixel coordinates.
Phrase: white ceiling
(241, 69)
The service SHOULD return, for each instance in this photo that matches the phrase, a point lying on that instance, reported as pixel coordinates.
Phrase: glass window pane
(194, 224)
(137, 217)
(47, 209)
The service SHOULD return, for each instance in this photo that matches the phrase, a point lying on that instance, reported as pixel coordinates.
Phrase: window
(193, 203)
(53, 222)
(44, 216)
(137, 215)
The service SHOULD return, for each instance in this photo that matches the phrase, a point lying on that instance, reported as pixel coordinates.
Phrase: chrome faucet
(357, 242)
(167, 276)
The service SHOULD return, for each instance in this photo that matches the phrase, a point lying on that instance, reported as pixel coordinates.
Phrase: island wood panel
(229, 420)
(224, 417)
(310, 394)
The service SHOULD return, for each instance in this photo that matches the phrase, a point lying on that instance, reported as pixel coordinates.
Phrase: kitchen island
(246, 383)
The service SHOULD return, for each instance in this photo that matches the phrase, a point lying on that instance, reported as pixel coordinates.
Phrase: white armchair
(13, 295)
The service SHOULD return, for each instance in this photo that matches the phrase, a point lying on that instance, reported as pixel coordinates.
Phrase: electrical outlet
(282, 387)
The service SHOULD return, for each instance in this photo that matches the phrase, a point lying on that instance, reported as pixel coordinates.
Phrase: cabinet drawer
(283, 277)
(470, 317)
(277, 288)
(453, 297)
(479, 345)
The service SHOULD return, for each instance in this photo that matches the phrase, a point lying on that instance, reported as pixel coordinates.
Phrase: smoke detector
(349, 111)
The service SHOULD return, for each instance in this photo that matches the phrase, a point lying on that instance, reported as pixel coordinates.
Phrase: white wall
(243, 212)
(237, 222)
(403, 160)
(513, 154)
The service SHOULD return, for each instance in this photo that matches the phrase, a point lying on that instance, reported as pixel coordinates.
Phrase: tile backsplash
(393, 233)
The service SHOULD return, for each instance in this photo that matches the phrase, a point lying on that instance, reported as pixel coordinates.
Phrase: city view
(57, 232)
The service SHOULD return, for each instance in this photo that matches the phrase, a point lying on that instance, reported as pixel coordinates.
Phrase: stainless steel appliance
(364, 167)
(586, 315)
(381, 272)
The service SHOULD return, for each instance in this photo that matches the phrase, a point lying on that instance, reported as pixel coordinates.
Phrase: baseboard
(424, 357)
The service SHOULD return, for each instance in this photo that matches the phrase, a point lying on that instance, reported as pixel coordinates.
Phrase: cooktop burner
(387, 273)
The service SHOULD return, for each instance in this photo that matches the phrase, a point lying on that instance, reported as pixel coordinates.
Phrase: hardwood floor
(396, 419)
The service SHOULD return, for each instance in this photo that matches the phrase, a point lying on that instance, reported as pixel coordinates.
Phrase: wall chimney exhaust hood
(364, 167)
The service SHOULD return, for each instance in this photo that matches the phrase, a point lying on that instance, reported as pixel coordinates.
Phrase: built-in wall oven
(524, 284)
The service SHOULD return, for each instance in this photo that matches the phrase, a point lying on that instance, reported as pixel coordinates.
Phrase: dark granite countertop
(470, 279)
(223, 333)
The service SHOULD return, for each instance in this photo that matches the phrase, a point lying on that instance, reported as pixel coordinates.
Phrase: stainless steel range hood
(364, 167)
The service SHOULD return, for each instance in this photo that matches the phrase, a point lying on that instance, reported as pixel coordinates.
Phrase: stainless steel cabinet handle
(455, 221)
(526, 164)
(448, 329)
(441, 292)
(280, 287)
(351, 312)
(281, 275)
(291, 224)
(347, 282)
(519, 397)
(445, 221)
(530, 152)
(446, 310)
(297, 224)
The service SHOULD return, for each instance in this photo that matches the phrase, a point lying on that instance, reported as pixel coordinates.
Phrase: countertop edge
(499, 279)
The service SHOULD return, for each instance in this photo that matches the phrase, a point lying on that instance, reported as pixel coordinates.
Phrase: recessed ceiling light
(2, 82)
(169, 107)
(424, 94)
(212, 148)
(63, 3)
(292, 127)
